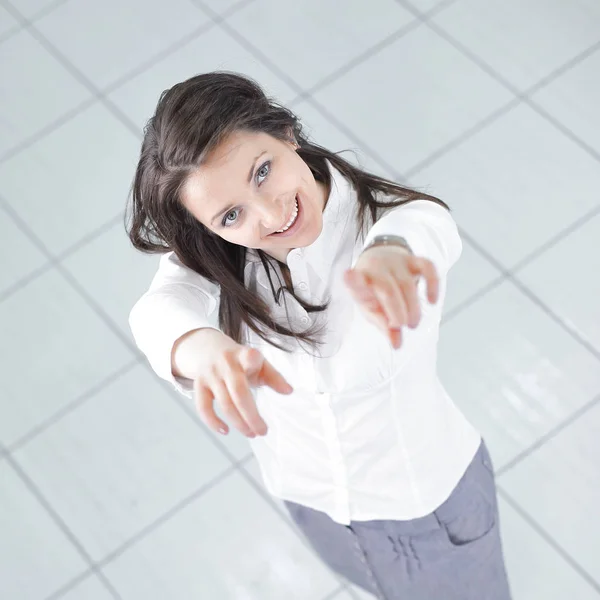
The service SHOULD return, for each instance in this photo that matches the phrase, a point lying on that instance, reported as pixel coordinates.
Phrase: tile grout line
(524, 95)
(165, 517)
(509, 276)
(46, 10)
(513, 271)
(541, 531)
(76, 403)
(74, 71)
(59, 522)
(554, 432)
(102, 93)
(47, 129)
(289, 81)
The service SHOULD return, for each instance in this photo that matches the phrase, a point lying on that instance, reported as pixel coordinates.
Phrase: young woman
(300, 298)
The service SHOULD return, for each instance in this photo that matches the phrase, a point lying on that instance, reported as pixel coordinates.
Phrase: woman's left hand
(384, 283)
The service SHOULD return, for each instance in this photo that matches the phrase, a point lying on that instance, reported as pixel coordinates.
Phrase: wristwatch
(389, 240)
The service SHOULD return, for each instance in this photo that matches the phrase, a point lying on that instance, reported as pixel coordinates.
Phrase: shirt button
(302, 286)
(305, 320)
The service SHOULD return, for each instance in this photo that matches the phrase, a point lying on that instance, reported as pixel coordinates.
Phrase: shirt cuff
(427, 227)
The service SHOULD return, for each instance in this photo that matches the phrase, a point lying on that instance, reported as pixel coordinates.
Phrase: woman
(301, 297)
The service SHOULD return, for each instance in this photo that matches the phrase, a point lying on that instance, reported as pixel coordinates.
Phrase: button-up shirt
(369, 432)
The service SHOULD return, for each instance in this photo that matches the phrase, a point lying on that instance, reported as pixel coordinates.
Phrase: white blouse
(369, 432)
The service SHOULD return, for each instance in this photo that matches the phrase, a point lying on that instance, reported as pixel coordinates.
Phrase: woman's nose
(271, 213)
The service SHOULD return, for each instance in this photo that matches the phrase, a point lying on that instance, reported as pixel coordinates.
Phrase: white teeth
(292, 218)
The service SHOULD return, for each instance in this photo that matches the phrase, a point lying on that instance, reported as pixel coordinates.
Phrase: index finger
(271, 377)
(423, 266)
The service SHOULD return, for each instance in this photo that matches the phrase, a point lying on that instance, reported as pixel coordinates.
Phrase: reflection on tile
(59, 350)
(557, 486)
(565, 279)
(311, 48)
(468, 276)
(22, 114)
(18, 256)
(83, 172)
(514, 372)
(228, 544)
(523, 41)
(120, 461)
(515, 184)
(109, 39)
(573, 99)
(535, 569)
(89, 589)
(37, 559)
(406, 123)
(212, 50)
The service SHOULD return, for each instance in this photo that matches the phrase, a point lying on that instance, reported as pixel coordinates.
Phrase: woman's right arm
(175, 324)
(178, 302)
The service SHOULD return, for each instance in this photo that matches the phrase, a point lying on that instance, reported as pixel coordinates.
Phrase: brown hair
(192, 119)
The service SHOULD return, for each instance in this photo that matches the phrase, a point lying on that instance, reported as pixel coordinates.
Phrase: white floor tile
(565, 279)
(573, 99)
(108, 40)
(59, 349)
(212, 50)
(90, 589)
(535, 569)
(424, 6)
(515, 184)
(113, 272)
(36, 558)
(120, 461)
(30, 8)
(405, 121)
(358, 594)
(513, 371)
(221, 7)
(468, 276)
(523, 41)
(252, 468)
(18, 255)
(325, 133)
(308, 47)
(228, 544)
(22, 113)
(73, 180)
(557, 486)
(7, 22)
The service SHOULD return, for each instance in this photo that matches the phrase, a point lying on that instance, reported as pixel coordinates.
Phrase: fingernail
(222, 431)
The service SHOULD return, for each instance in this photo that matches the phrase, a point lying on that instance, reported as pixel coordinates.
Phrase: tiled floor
(109, 485)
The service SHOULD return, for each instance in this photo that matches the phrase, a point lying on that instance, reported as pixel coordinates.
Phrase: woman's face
(253, 186)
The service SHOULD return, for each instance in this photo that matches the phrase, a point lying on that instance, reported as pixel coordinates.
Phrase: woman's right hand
(223, 371)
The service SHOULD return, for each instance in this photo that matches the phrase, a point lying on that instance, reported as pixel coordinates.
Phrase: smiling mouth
(291, 220)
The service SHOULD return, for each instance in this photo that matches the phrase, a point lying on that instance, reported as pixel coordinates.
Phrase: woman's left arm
(384, 278)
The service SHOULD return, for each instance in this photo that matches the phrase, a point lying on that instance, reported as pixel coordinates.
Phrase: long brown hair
(192, 119)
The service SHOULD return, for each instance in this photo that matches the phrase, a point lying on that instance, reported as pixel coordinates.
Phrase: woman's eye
(263, 172)
(227, 221)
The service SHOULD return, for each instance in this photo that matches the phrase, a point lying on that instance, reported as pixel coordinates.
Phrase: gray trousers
(454, 553)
